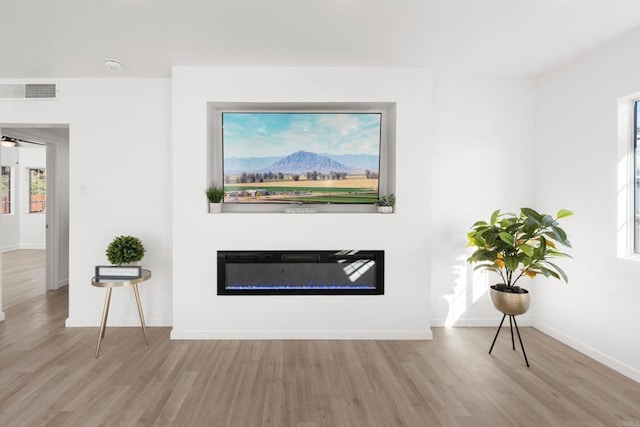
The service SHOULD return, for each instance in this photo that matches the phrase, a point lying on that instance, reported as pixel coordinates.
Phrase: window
(6, 190)
(636, 170)
(37, 190)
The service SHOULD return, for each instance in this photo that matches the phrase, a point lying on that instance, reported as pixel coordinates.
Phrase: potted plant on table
(125, 250)
(515, 246)
(385, 203)
(215, 195)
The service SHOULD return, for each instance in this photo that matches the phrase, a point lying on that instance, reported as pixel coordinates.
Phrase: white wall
(32, 225)
(577, 164)
(484, 133)
(403, 312)
(120, 179)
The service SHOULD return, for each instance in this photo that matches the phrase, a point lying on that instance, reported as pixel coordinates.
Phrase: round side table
(110, 284)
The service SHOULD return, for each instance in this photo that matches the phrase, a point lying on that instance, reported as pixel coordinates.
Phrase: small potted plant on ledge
(515, 246)
(215, 195)
(125, 250)
(385, 203)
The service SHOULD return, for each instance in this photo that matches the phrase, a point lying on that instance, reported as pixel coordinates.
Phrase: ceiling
(39, 134)
(502, 38)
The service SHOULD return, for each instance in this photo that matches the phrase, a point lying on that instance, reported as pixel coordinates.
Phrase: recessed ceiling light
(113, 64)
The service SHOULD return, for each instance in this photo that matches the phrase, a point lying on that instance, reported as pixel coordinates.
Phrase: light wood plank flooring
(49, 377)
(23, 275)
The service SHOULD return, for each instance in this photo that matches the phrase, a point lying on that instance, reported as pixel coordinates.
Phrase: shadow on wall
(464, 287)
(469, 286)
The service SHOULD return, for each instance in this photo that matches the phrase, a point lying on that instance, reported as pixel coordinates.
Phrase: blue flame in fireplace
(309, 286)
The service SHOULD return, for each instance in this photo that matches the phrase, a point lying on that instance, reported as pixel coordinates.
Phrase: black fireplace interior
(345, 272)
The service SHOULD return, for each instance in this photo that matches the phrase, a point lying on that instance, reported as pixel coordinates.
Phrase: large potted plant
(215, 195)
(517, 246)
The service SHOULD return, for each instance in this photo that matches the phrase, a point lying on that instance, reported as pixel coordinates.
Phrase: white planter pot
(385, 209)
(215, 207)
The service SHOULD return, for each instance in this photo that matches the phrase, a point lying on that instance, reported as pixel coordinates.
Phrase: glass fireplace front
(343, 272)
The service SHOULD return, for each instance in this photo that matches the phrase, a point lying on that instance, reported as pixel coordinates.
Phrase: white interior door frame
(52, 136)
(1, 303)
(52, 223)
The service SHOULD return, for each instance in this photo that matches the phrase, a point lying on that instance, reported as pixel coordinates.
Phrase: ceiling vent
(28, 91)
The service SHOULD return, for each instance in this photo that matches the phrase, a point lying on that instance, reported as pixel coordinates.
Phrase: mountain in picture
(301, 162)
(304, 161)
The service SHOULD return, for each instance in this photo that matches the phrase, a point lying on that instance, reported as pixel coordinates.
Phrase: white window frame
(29, 170)
(625, 190)
(11, 192)
(635, 176)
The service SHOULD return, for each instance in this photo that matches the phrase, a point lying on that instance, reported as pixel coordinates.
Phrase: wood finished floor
(23, 275)
(49, 377)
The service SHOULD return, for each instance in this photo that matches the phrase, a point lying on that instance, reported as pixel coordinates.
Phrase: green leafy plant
(519, 245)
(214, 194)
(387, 200)
(125, 250)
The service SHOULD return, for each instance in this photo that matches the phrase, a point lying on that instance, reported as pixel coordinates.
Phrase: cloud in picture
(280, 134)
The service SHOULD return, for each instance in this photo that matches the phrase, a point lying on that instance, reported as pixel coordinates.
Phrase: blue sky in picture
(281, 134)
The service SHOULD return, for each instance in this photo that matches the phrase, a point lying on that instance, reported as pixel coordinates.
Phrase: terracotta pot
(508, 303)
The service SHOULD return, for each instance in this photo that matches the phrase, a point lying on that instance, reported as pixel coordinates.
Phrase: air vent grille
(40, 91)
(28, 91)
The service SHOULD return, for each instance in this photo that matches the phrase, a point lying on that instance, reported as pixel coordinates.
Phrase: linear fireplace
(345, 272)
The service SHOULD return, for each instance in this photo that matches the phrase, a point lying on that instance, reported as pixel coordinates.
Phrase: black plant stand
(513, 344)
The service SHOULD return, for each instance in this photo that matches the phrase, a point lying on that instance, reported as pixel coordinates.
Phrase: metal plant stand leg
(103, 324)
(144, 329)
(497, 332)
(521, 345)
(513, 344)
(512, 323)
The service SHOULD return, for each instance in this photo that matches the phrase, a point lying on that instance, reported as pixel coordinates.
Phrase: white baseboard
(1, 316)
(33, 246)
(480, 323)
(180, 334)
(94, 322)
(14, 247)
(597, 355)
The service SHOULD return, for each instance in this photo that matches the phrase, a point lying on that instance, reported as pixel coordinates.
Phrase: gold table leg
(103, 324)
(144, 329)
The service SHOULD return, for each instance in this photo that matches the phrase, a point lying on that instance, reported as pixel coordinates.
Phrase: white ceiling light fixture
(8, 142)
(113, 65)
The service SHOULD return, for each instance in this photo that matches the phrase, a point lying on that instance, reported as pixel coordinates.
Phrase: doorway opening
(34, 238)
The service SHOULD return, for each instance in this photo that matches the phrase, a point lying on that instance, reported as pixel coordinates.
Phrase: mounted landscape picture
(294, 157)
